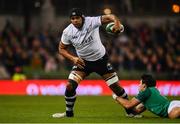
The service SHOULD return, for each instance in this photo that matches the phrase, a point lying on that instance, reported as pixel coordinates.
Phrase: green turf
(91, 109)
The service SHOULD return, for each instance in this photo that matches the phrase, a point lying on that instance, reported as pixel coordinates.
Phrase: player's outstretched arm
(109, 18)
(126, 103)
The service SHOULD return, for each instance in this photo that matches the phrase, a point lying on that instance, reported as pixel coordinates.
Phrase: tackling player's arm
(63, 50)
(111, 18)
(134, 103)
(128, 103)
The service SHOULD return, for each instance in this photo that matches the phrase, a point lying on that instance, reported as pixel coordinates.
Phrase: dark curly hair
(148, 80)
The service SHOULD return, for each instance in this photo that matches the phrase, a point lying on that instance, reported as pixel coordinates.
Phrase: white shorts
(174, 103)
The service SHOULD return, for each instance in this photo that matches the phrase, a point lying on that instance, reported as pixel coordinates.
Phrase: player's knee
(172, 116)
(113, 84)
(176, 113)
(73, 80)
(75, 76)
(112, 79)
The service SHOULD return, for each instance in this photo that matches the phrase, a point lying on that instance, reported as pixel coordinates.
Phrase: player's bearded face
(76, 21)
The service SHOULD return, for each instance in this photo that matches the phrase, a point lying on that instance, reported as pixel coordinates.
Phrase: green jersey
(154, 101)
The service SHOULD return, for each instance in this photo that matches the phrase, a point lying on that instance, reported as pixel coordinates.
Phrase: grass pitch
(88, 109)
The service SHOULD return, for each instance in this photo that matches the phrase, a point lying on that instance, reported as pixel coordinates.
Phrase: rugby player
(149, 98)
(83, 35)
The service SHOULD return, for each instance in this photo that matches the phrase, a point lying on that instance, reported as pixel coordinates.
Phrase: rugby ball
(109, 28)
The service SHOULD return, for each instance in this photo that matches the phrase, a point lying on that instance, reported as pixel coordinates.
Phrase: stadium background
(30, 31)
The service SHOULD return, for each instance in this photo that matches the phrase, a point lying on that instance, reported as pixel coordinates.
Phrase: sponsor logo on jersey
(74, 37)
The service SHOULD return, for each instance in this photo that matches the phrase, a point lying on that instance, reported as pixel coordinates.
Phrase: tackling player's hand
(114, 96)
(79, 62)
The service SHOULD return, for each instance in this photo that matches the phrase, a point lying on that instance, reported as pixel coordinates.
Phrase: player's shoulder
(154, 90)
(146, 91)
(68, 29)
(91, 17)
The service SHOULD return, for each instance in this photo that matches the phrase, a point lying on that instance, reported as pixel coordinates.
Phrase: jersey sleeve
(65, 38)
(96, 21)
(143, 95)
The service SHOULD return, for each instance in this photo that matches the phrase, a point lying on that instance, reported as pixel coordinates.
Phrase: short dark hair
(148, 80)
(76, 12)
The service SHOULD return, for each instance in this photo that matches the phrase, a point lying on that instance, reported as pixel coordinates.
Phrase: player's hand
(79, 62)
(116, 29)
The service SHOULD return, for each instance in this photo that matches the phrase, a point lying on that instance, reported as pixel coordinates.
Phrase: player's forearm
(124, 102)
(63, 50)
(66, 54)
(115, 20)
(110, 18)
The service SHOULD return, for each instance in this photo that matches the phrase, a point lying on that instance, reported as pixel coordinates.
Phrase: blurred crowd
(147, 48)
(35, 50)
(141, 47)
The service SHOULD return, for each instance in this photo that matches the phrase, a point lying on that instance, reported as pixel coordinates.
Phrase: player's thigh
(175, 113)
(77, 76)
(174, 109)
(108, 75)
(107, 71)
